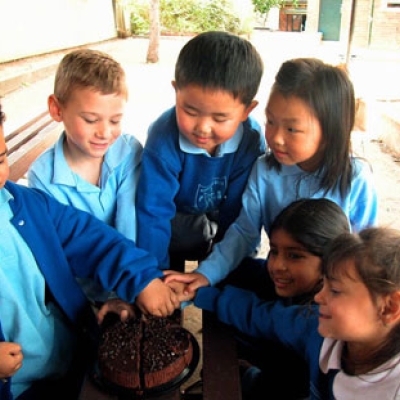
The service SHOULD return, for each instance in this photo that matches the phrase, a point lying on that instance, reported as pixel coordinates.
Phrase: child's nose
(319, 296)
(277, 136)
(278, 263)
(104, 130)
(203, 126)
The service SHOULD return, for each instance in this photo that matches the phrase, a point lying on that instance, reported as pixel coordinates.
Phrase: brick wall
(383, 32)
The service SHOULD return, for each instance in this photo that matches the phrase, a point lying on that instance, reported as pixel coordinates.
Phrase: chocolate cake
(144, 353)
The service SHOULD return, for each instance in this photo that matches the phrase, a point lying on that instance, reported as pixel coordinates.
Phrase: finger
(170, 272)
(192, 287)
(124, 315)
(184, 278)
(102, 313)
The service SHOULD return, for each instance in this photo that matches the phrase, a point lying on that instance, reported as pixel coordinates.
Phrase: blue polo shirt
(26, 319)
(113, 201)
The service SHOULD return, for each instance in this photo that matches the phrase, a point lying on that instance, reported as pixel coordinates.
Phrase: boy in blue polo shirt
(93, 166)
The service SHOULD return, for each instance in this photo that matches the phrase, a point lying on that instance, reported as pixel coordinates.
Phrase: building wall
(385, 26)
(312, 15)
(375, 25)
(32, 27)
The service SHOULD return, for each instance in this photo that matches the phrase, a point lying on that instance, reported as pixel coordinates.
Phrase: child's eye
(332, 287)
(293, 130)
(191, 113)
(90, 121)
(295, 256)
(220, 120)
(115, 122)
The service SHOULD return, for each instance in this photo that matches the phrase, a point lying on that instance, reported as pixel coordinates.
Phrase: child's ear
(391, 310)
(249, 109)
(173, 83)
(54, 108)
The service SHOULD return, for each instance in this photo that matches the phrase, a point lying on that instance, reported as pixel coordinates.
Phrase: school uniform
(180, 178)
(44, 246)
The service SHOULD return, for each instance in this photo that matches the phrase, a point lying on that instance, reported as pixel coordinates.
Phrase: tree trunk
(154, 39)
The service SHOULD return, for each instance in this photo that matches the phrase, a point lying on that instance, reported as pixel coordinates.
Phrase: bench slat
(27, 142)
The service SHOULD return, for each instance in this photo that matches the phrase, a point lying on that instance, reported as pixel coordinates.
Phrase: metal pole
(351, 31)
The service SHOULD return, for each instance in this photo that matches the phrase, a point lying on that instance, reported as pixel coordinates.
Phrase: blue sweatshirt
(66, 243)
(296, 327)
(268, 192)
(179, 177)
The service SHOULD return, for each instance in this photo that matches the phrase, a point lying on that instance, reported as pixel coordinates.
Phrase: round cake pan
(131, 394)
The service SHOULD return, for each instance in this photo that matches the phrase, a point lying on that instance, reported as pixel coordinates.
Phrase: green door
(330, 15)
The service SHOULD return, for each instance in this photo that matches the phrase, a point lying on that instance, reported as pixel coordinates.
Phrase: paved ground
(151, 93)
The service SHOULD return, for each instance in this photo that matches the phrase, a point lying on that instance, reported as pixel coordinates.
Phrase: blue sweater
(176, 179)
(294, 327)
(66, 243)
(268, 191)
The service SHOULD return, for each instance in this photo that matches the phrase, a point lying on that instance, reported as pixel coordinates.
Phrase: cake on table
(144, 353)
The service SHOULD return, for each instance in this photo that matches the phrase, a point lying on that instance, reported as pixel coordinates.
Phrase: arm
(114, 261)
(65, 239)
(157, 187)
(292, 326)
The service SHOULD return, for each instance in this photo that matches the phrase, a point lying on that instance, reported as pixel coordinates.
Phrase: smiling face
(293, 133)
(92, 121)
(208, 117)
(294, 270)
(347, 310)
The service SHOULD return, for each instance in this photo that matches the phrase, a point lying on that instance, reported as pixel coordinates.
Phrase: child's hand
(181, 291)
(10, 359)
(157, 299)
(117, 306)
(193, 281)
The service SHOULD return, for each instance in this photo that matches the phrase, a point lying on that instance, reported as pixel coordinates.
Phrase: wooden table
(220, 363)
(91, 392)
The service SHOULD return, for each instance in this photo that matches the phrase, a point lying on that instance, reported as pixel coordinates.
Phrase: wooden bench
(26, 143)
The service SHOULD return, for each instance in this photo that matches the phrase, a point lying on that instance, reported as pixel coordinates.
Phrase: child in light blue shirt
(93, 166)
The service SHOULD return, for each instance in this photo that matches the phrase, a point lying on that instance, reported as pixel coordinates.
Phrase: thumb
(192, 287)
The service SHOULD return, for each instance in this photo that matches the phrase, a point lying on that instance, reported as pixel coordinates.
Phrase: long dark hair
(329, 93)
